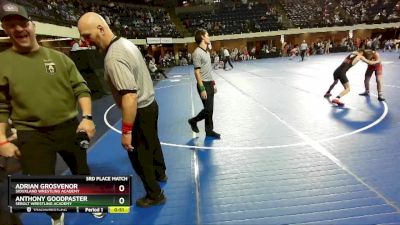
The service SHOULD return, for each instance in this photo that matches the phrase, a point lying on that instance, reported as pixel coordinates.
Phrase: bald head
(92, 19)
(94, 29)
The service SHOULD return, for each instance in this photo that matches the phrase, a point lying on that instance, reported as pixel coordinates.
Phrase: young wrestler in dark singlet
(340, 74)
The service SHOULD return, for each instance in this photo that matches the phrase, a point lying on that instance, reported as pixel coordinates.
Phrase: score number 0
(121, 200)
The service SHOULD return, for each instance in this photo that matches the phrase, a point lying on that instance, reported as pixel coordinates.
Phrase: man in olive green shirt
(40, 89)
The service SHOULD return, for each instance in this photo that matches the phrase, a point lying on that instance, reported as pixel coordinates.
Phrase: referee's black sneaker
(213, 134)
(193, 125)
(162, 179)
(146, 201)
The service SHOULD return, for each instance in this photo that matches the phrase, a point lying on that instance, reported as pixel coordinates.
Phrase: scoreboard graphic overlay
(84, 194)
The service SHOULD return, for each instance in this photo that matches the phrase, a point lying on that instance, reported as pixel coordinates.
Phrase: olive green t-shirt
(39, 89)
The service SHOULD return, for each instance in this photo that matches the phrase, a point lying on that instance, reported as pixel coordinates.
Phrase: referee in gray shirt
(205, 84)
(133, 92)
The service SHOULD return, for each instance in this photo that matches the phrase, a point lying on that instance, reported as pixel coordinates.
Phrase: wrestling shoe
(337, 102)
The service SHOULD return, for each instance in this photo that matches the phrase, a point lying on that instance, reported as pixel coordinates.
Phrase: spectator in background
(303, 49)
(293, 52)
(227, 58)
(183, 61)
(189, 58)
(376, 42)
(153, 68)
(253, 53)
(328, 46)
(216, 61)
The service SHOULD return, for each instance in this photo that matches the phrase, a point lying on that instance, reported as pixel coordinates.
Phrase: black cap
(9, 8)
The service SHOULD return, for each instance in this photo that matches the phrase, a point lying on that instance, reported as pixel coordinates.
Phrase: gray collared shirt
(202, 61)
(126, 69)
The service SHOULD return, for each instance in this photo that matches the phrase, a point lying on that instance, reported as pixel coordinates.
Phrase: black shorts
(340, 75)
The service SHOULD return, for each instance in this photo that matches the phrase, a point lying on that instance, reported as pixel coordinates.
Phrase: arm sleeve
(196, 61)
(121, 75)
(78, 84)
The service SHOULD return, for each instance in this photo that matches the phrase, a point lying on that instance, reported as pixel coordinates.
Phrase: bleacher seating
(131, 21)
(375, 11)
(234, 19)
(227, 17)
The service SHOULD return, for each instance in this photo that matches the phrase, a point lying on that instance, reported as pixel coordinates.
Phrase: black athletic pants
(302, 54)
(147, 157)
(227, 59)
(207, 112)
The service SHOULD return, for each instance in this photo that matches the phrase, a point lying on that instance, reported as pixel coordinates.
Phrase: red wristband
(126, 128)
(3, 143)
